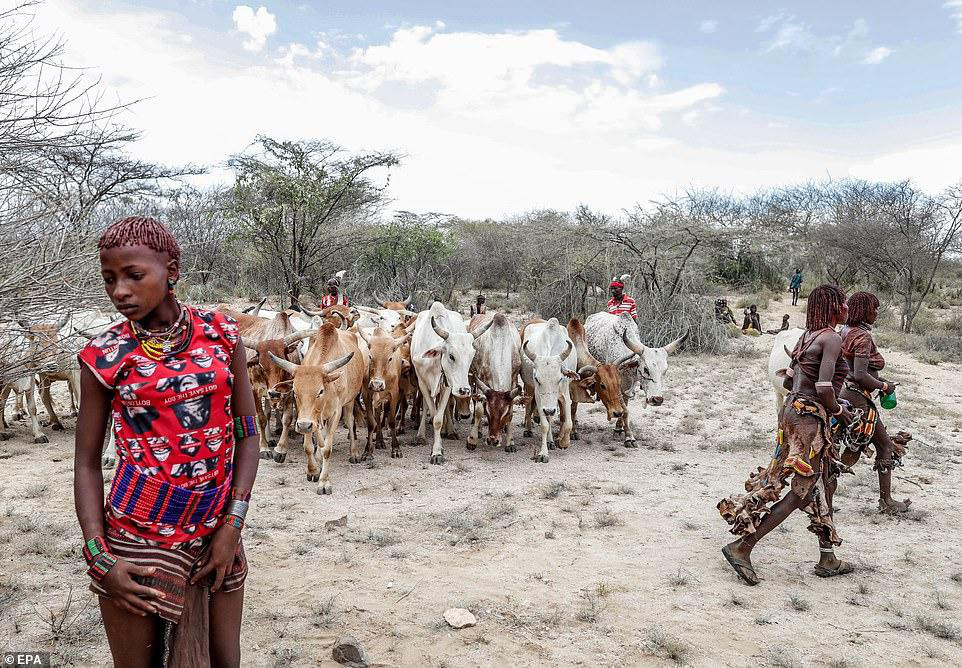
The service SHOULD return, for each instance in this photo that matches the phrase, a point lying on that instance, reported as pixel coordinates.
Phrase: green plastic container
(888, 400)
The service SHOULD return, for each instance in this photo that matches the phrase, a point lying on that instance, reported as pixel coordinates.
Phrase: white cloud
(928, 165)
(797, 36)
(876, 55)
(955, 11)
(257, 25)
(768, 22)
(708, 26)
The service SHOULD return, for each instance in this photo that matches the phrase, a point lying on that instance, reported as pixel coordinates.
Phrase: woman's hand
(126, 592)
(218, 557)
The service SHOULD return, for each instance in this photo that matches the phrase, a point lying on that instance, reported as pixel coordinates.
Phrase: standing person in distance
(164, 548)
(795, 285)
(334, 296)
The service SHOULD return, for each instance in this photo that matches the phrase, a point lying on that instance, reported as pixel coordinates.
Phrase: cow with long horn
(442, 352)
(325, 387)
(614, 339)
(596, 380)
(548, 365)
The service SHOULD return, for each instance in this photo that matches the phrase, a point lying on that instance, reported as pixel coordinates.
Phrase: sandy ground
(603, 556)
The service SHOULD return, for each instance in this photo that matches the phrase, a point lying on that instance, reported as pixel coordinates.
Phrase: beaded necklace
(171, 341)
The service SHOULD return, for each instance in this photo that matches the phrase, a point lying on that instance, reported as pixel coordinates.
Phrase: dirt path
(604, 556)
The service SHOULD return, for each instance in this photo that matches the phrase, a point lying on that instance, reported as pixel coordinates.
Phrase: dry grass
(938, 628)
(606, 518)
(669, 646)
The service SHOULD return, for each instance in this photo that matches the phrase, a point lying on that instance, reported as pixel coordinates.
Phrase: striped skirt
(173, 570)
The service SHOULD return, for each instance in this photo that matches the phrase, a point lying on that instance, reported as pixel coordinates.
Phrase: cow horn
(298, 336)
(367, 339)
(531, 356)
(256, 309)
(481, 384)
(481, 330)
(787, 352)
(287, 365)
(331, 367)
(343, 323)
(252, 351)
(675, 345)
(567, 351)
(440, 331)
(401, 341)
(624, 360)
(516, 392)
(638, 349)
(380, 300)
(308, 311)
(408, 301)
(588, 370)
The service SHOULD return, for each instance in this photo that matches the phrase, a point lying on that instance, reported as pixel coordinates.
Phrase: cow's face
(273, 375)
(652, 369)
(551, 378)
(497, 408)
(385, 365)
(605, 383)
(456, 354)
(312, 389)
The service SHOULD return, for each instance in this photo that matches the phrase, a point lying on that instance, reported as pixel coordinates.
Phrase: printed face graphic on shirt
(213, 444)
(193, 412)
(201, 358)
(144, 366)
(115, 351)
(174, 364)
(220, 354)
(210, 332)
(136, 448)
(194, 469)
(205, 315)
(159, 446)
(188, 445)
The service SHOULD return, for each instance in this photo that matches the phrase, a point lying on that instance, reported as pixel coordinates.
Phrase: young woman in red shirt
(164, 551)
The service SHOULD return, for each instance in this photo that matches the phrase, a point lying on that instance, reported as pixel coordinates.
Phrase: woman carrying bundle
(806, 459)
(865, 362)
(165, 547)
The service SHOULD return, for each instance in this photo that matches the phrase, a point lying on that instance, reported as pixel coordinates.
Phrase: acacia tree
(300, 203)
(897, 234)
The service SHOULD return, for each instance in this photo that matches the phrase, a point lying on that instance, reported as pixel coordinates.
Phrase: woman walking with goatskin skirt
(164, 551)
(805, 451)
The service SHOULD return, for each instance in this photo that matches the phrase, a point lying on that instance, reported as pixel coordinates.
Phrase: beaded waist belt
(148, 499)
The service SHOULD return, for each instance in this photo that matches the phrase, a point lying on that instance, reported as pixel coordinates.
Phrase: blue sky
(501, 107)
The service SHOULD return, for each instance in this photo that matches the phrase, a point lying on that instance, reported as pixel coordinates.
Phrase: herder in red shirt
(620, 302)
(334, 295)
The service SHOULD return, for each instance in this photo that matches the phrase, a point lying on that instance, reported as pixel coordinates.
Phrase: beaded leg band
(246, 425)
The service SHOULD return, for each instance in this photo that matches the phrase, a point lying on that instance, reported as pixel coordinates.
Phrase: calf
(497, 363)
(324, 385)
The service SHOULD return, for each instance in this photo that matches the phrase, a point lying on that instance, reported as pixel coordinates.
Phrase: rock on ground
(459, 618)
(347, 651)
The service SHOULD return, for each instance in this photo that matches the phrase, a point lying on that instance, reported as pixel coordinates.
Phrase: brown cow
(382, 393)
(265, 374)
(325, 387)
(597, 381)
(409, 393)
(339, 315)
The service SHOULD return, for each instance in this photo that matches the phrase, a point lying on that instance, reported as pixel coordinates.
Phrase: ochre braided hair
(824, 304)
(859, 305)
(140, 231)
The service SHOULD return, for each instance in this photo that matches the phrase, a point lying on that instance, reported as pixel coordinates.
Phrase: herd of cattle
(312, 370)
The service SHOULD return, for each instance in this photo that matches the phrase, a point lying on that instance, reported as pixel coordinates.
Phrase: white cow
(548, 366)
(613, 339)
(441, 352)
(780, 359)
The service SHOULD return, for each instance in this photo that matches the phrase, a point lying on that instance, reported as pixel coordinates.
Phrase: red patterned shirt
(331, 300)
(626, 305)
(173, 427)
